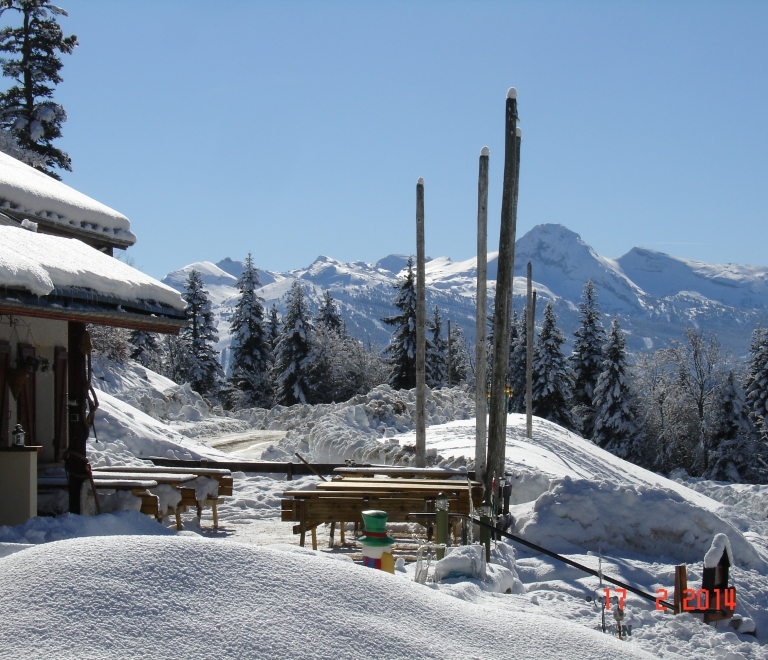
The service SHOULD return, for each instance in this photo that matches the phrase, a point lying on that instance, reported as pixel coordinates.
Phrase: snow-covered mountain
(655, 295)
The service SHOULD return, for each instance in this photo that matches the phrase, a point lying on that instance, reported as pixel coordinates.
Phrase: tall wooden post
(75, 456)
(449, 353)
(497, 424)
(481, 403)
(421, 326)
(529, 311)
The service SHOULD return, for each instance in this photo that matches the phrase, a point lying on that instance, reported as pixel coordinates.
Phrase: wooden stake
(481, 357)
(421, 323)
(529, 355)
(497, 424)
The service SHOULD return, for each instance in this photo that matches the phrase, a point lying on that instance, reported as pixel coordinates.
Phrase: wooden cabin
(57, 274)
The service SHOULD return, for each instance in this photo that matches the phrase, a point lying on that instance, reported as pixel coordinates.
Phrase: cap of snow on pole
(485, 151)
(511, 93)
(518, 132)
(420, 182)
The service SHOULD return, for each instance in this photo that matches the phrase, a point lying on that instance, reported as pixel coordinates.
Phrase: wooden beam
(481, 357)
(421, 323)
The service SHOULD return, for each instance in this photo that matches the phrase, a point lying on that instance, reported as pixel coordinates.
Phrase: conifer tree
(146, 349)
(460, 366)
(328, 315)
(401, 352)
(198, 364)
(756, 382)
(293, 356)
(273, 328)
(587, 358)
(251, 352)
(436, 349)
(552, 376)
(517, 358)
(615, 426)
(27, 109)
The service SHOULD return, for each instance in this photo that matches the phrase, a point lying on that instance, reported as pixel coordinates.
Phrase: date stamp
(694, 600)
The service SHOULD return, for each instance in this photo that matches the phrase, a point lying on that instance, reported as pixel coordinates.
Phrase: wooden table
(137, 487)
(401, 472)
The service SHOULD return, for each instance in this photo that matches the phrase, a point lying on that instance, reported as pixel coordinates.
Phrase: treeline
(690, 406)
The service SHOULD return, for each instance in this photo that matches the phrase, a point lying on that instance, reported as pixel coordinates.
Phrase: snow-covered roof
(28, 191)
(40, 263)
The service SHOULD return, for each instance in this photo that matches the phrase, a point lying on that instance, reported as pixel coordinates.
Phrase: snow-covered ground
(79, 587)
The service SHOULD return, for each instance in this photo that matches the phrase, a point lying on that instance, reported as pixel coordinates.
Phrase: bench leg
(330, 539)
(314, 538)
(342, 540)
(302, 537)
(179, 526)
(215, 515)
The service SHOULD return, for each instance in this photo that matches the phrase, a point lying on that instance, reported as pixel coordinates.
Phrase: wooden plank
(268, 467)
(206, 472)
(392, 470)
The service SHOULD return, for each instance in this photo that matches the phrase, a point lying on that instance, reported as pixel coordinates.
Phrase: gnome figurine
(376, 544)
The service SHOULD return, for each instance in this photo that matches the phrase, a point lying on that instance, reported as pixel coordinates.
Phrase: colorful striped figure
(376, 543)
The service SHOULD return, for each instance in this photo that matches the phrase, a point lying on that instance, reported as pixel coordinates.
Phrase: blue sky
(293, 129)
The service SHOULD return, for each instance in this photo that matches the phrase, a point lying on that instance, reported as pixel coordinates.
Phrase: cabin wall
(44, 335)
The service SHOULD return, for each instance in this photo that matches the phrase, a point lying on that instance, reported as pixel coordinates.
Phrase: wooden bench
(343, 500)
(188, 497)
(137, 487)
(400, 472)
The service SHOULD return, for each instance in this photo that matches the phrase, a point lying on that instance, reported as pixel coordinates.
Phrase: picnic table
(402, 472)
(137, 487)
(343, 500)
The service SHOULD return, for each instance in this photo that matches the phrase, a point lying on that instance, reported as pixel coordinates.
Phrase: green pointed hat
(375, 529)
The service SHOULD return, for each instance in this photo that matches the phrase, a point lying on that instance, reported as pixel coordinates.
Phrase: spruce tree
(273, 328)
(27, 109)
(401, 352)
(552, 376)
(587, 359)
(517, 359)
(615, 427)
(328, 315)
(250, 344)
(293, 355)
(146, 349)
(460, 366)
(756, 382)
(436, 351)
(198, 364)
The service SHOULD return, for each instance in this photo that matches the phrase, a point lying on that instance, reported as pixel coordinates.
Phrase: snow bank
(27, 190)
(69, 526)
(579, 514)
(39, 263)
(121, 597)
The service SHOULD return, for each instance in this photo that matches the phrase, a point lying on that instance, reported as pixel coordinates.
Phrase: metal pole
(449, 353)
(421, 326)
(481, 403)
(497, 424)
(529, 312)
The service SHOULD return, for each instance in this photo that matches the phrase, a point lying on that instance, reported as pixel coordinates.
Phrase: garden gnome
(376, 544)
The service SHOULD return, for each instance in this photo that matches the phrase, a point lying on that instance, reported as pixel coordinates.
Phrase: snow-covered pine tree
(460, 362)
(251, 353)
(146, 349)
(328, 315)
(517, 357)
(735, 454)
(436, 351)
(293, 355)
(27, 109)
(756, 381)
(615, 427)
(401, 352)
(552, 376)
(273, 328)
(587, 359)
(198, 364)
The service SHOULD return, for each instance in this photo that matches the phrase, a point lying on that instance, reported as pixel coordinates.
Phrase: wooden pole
(497, 423)
(529, 354)
(481, 403)
(449, 353)
(421, 326)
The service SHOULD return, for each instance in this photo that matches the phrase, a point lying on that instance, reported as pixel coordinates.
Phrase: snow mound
(580, 514)
(120, 597)
(40, 263)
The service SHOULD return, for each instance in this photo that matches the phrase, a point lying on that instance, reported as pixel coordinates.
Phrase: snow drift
(119, 597)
